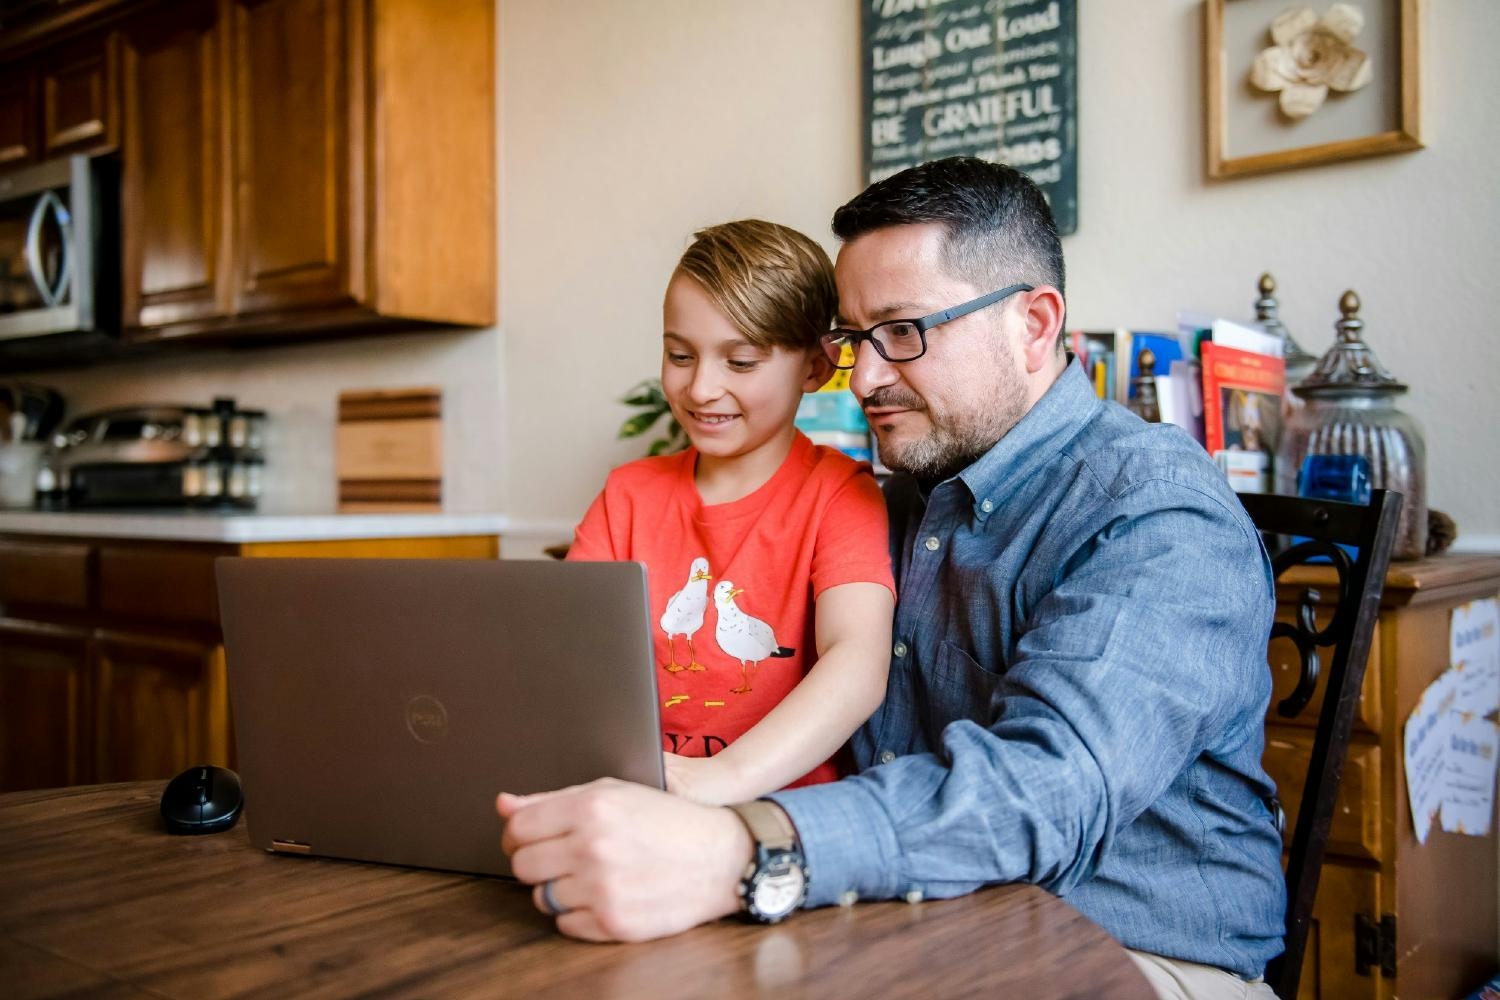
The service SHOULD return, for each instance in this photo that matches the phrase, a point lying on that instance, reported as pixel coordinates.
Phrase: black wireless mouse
(202, 799)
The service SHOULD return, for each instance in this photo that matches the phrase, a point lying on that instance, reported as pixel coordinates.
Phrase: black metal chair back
(1319, 528)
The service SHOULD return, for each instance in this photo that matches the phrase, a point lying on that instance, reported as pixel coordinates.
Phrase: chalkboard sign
(995, 79)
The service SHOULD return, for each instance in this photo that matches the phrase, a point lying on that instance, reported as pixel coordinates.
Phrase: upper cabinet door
(303, 166)
(17, 115)
(174, 229)
(292, 150)
(80, 98)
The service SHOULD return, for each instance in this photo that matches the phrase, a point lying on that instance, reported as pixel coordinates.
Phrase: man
(1078, 679)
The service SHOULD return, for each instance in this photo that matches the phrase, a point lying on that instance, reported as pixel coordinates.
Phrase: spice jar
(1351, 409)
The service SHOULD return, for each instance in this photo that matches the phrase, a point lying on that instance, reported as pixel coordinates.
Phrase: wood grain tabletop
(96, 900)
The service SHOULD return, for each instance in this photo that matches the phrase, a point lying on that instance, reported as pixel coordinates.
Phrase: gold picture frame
(1246, 132)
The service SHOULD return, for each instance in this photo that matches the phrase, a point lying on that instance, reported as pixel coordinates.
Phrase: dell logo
(426, 719)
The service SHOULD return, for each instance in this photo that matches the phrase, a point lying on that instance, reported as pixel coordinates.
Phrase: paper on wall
(1469, 776)
(1474, 651)
(1426, 738)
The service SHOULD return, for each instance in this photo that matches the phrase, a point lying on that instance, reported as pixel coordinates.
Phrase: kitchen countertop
(208, 526)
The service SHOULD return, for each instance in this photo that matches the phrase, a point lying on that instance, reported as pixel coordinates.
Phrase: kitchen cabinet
(62, 100)
(175, 267)
(162, 703)
(18, 115)
(80, 97)
(290, 116)
(112, 664)
(302, 165)
(1392, 917)
(44, 705)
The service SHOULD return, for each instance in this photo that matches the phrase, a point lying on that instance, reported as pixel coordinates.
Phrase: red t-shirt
(733, 584)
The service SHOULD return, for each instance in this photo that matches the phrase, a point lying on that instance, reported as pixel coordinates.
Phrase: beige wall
(625, 124)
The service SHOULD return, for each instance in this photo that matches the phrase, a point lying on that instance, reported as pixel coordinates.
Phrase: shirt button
(914, 896)
(987, 506)
(899, 649)
(848, 897)
(932, 544)
(886, 756)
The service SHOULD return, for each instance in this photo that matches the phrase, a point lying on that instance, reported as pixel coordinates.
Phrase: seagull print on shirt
(684, 616)
(747, 639)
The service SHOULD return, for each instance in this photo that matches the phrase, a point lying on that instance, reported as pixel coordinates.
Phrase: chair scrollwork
(1321, 530)
(1304, 633)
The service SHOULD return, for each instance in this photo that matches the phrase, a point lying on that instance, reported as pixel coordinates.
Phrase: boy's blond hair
(774, 284)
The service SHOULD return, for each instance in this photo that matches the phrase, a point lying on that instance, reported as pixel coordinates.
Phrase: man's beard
(956, 439)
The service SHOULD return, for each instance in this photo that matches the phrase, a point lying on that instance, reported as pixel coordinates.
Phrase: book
(1193, 329)
(1165, 346)
(1226, 333)
(1183, 403)
(1242, 394)
(1106, 357)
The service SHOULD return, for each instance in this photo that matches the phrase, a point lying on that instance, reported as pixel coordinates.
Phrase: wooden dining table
(97, 900)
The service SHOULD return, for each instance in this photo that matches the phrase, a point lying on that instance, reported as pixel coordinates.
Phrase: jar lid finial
(1349, 366)
(1268, 315)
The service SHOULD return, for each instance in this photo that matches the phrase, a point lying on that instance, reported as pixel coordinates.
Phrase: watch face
(779, 888)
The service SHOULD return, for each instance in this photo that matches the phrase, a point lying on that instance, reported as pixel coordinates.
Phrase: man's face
(935, 415)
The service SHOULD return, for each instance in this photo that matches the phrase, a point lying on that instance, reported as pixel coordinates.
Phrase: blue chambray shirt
(1077, 693)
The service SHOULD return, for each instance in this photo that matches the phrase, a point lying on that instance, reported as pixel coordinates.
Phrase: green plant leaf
(647, 393)
(639, 424)
(647, 396)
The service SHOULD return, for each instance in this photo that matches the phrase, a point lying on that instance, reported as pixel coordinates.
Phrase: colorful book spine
(1242, 394)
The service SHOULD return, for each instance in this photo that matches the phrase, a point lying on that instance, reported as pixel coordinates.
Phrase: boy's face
(735, 400)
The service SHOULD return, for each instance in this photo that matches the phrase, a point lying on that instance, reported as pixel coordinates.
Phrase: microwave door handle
(49, 201)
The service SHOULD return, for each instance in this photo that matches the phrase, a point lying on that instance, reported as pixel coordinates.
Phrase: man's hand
(626, 862)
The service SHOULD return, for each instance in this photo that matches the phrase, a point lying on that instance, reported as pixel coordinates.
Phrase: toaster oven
(177, 456)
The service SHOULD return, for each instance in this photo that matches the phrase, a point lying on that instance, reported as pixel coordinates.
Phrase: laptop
(381, 704)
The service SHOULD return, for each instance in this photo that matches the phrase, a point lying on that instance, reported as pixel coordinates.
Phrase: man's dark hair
(1000, 230)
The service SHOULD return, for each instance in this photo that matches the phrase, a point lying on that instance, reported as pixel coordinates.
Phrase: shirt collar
(1067, 406)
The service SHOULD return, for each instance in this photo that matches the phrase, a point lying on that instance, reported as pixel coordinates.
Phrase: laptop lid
(381, 704)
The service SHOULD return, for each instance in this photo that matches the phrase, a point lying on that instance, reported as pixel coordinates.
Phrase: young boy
(767, 555)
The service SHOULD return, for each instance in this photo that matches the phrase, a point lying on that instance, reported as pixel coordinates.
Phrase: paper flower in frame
(1312, 55)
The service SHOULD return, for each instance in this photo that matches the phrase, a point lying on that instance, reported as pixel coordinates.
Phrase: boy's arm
(842, 690)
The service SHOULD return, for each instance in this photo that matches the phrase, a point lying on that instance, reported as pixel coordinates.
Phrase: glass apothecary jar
(1351, 409)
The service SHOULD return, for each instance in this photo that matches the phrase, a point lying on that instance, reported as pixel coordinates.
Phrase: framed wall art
(997, 80)
(1292, 83)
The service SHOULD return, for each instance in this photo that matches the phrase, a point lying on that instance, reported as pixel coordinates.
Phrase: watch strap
(769, 825)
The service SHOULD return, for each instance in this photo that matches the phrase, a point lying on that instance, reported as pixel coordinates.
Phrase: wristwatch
(775, 881)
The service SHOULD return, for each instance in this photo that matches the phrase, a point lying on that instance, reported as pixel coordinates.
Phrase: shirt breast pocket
(956, 687)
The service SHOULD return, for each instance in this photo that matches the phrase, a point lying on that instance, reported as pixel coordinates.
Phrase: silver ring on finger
(549, 902)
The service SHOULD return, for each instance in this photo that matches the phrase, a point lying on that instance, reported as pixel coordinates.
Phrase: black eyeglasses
(903, 339)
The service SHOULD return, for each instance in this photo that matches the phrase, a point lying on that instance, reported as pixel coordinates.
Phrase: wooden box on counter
(111, 658)
(1393, 918)
(390, 450)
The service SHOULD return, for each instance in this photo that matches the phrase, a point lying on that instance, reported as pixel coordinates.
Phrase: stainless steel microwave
(59, 249)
